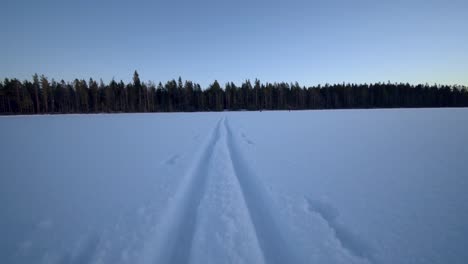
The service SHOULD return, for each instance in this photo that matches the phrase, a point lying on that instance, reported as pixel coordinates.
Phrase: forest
(43, 96)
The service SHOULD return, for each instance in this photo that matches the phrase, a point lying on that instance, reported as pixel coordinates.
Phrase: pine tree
(45, 94)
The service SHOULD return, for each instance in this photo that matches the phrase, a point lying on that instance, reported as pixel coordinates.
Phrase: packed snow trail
(224, 227)
(220, 212)
(275, 248)
(172, 242)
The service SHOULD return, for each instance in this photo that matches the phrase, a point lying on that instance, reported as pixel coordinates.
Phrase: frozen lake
(339, 186)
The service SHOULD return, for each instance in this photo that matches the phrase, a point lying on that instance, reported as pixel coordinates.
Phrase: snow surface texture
(353, 186)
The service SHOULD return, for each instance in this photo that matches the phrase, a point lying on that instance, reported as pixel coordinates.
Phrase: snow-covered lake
(351, 186)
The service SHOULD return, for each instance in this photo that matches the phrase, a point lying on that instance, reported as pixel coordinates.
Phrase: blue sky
(306, 41)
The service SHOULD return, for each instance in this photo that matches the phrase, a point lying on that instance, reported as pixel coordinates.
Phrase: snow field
(364, 186)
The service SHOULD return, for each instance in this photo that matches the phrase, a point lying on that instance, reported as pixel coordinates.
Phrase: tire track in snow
(267, 228)
(173, 241)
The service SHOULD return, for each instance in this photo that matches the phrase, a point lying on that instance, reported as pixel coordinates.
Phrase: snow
(351, 186)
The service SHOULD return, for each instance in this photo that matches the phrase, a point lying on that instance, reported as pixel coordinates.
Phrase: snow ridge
(172, 243)
(275, 248)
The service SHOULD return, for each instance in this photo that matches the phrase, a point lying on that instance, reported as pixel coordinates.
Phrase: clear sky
(310, 42)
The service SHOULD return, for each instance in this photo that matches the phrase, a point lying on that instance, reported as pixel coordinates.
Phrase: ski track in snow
(275, 248)
(172, 243)
(220, 212)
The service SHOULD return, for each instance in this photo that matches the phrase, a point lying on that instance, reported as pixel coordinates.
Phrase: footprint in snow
(349, 240)
(172, 160)
(250, 142)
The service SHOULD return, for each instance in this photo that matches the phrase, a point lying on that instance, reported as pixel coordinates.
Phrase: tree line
(41, 96)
